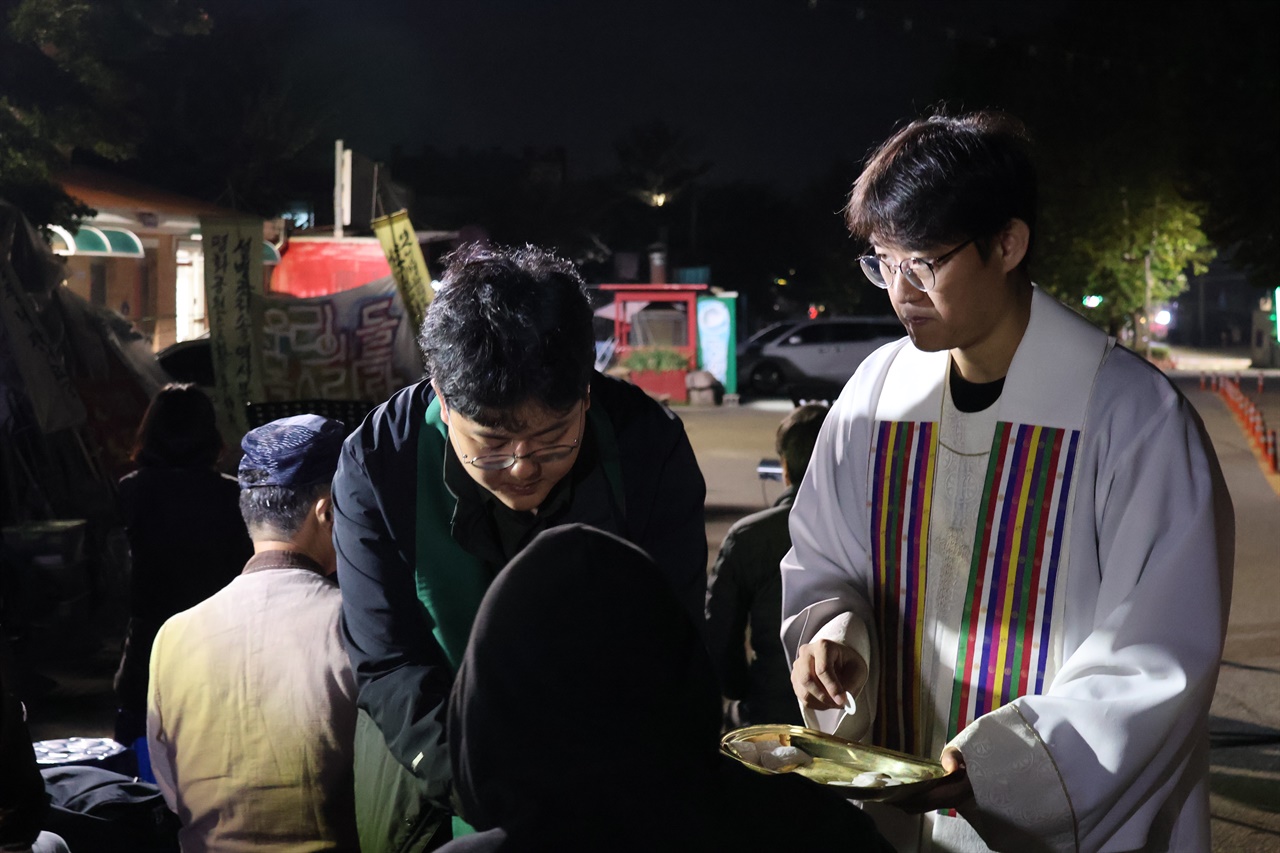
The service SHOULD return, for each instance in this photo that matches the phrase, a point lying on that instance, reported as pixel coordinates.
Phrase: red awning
(318, 266)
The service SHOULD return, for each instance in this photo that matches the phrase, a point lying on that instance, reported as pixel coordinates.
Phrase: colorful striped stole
(1005, 627)
(1004, 647)
(905, 455)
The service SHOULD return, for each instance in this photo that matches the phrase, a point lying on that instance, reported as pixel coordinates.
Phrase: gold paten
(837, 761)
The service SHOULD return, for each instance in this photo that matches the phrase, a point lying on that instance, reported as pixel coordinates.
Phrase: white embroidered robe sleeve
(1124, 719)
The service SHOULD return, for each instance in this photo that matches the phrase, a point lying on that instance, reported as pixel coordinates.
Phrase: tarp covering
(115, 373)
(29, 276)
(74, 383)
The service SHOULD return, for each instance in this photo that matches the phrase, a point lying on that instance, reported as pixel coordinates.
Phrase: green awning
(96, 242)
(109, 241)
(123, 242)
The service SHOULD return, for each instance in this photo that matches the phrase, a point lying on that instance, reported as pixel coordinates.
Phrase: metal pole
(1146, 301)
(339, 191)
(1200, 339)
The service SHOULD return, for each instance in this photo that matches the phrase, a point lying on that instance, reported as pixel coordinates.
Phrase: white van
(812, 355)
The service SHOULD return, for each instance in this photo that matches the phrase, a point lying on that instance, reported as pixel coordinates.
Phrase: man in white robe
(1013, 546)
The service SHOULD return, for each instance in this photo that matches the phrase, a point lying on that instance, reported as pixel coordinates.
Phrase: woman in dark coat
(585, 716)
(186, 537)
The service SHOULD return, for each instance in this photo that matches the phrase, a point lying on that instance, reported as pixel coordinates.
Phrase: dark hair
(179, 430)
(797, 434)
(945, 179)
(508, 326)
(277, 512)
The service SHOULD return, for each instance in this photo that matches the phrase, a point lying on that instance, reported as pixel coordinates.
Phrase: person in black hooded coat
(186, 537)
(586, 715)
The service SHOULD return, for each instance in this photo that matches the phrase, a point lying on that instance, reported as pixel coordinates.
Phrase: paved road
(1245, 779)
(730, 441)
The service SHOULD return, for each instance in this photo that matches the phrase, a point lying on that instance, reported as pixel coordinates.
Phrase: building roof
(107, 192)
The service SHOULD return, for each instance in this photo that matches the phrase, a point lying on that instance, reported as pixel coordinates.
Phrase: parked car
(812, 359)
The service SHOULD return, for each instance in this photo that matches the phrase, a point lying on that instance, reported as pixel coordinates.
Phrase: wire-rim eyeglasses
(541, 456)
(918, 272)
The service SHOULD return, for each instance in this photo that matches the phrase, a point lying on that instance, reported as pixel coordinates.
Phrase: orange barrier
(1249, 416)
(1229, 390)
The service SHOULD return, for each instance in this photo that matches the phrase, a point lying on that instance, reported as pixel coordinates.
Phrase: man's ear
(444, 407)
(324, 511)
(1013, 242)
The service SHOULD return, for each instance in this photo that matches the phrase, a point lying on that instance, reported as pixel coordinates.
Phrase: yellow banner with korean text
(408, 266)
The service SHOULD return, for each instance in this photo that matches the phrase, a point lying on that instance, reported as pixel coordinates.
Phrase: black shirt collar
(970, 397)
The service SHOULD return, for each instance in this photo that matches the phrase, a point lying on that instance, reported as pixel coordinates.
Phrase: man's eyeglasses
(541, 456)
(917, 271)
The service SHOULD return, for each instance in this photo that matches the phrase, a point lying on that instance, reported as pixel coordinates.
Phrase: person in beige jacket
(251, 707)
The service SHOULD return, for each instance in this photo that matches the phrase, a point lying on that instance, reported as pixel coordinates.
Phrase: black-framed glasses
(541, 456)
(919, 272)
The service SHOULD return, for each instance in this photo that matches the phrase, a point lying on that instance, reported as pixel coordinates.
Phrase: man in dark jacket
(444, 483)
(746, 591)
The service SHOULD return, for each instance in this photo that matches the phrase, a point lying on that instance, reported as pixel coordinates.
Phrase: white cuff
(1022, 803)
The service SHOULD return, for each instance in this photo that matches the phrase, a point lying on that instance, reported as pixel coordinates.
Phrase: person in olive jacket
(745, 595)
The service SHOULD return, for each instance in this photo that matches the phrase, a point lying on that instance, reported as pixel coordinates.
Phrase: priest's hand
(953, 792)
(824, 671)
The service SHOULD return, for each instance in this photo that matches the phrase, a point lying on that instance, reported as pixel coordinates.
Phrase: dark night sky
(772, 90)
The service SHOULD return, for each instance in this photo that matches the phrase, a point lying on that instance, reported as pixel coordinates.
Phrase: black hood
(585, 691)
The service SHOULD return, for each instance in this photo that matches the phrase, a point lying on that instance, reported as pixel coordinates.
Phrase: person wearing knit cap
(251, 708)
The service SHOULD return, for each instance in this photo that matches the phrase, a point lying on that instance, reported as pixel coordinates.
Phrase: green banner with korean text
(408, 266)
(232, 276)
